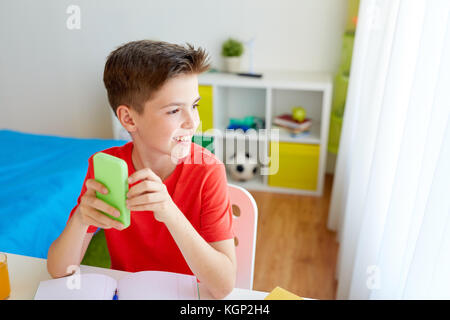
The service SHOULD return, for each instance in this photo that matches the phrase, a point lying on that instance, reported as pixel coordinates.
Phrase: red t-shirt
(200, 191)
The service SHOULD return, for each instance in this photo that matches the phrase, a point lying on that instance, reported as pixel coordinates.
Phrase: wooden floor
(294, 248)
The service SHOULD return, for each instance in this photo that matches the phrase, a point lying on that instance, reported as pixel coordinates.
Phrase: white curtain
(391, 194)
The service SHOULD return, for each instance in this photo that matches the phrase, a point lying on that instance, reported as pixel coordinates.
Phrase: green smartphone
(112, 172)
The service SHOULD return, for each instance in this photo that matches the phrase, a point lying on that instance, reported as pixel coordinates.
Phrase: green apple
(298, 113)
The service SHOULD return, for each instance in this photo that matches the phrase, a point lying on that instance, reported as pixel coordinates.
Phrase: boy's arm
(214, 263)
(69, 248)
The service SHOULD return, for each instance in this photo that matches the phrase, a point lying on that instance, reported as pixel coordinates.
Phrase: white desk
(25, 273)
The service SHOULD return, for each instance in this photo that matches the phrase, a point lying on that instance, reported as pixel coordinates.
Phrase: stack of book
(288, 124)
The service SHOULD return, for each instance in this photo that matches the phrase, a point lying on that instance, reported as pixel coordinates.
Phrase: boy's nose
(189, 121)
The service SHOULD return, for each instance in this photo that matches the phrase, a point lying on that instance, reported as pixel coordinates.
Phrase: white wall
(51, 77)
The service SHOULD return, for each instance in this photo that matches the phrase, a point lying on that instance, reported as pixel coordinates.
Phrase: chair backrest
(245, 220)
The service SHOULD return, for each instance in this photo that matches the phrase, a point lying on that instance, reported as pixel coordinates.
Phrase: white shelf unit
(273, 94)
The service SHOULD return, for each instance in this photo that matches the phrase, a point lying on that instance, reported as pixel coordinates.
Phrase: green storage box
(346, 53)
(335, 133)
(204, 141)
(339, 94)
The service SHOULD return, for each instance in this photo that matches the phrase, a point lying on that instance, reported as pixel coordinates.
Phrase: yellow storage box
(298, 165)
(205, 109)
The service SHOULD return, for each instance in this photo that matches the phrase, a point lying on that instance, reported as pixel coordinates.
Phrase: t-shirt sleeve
(89, 175)
(216, 215)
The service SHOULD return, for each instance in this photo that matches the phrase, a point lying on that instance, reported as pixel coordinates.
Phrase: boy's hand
(90, 204)
(150, 195)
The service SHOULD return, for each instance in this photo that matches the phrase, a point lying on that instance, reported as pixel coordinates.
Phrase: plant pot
(233, 64)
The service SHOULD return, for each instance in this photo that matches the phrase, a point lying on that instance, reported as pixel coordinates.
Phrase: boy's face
(172, 113)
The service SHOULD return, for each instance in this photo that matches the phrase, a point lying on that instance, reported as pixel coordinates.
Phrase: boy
(181, 217)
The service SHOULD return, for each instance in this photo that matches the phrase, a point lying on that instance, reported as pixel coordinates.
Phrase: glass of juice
(5, 288)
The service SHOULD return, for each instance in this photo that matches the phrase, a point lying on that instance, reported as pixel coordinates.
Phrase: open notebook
(145, 285)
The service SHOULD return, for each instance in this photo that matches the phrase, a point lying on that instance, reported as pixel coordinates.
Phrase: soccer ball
(242, 167)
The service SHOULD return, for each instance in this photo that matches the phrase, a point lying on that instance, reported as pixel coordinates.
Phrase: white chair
(245, 220)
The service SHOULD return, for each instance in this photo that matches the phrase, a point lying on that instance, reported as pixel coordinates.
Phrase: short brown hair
(135, 70)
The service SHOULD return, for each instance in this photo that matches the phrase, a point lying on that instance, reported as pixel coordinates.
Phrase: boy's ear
(125, 117)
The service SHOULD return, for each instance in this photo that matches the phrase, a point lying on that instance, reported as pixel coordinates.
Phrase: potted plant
(232, 50)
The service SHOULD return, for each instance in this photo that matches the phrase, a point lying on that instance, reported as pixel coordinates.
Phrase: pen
(115, 297)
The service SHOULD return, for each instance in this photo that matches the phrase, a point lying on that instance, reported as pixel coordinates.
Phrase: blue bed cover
(40, 180)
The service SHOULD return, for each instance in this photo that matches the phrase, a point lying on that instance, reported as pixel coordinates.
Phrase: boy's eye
(176, 110)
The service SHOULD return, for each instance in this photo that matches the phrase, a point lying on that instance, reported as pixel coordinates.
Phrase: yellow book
(282, 294)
